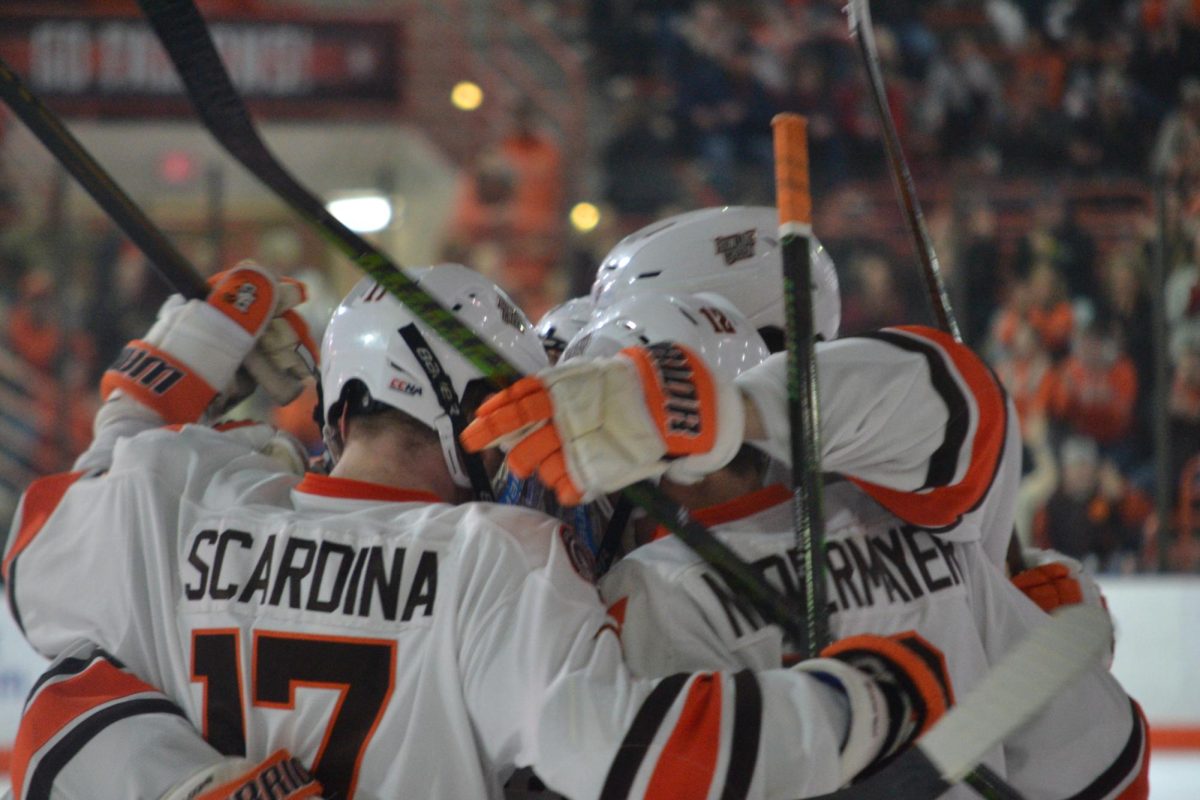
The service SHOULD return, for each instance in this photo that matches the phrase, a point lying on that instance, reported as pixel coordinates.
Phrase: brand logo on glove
(736, 247)
(678, 380)
(147, 369)
(243, 297)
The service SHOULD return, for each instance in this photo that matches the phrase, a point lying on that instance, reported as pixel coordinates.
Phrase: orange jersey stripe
(944, 505)
(41, 498)
(687, 763)
(59, 704)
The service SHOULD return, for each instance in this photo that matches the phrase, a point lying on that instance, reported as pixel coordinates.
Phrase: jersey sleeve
(92, 729)
(1091, 742)
(547, 687)
(915, 419)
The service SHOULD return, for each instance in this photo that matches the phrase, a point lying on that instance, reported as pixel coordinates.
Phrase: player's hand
(186, 367)
(279, 776)
(1056, 580)
(897, 687)
(591, 427)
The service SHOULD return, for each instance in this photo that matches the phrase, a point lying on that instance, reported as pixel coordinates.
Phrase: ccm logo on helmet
(406, 387)
(736, 246)
(682, 402)
(147, 369)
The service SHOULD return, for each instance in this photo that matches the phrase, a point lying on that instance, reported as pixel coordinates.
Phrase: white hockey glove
(280, 777)
(186, 367)
(896, 687)
(1056, 580)
(591, 427)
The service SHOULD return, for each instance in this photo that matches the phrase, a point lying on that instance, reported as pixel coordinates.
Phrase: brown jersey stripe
(747, 725)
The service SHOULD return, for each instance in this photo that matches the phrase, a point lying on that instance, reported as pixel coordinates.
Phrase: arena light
(585, 217)
(466, 96)
(362, 213)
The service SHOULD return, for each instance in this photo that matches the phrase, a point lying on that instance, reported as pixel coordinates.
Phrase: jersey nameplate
(877, 569)
(298, 573)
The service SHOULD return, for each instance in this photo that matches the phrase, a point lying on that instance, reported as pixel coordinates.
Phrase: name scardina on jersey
(327, 577)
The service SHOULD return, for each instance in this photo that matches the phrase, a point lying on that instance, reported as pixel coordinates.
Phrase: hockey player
(362, 624)
(560, 324)
(883, 577)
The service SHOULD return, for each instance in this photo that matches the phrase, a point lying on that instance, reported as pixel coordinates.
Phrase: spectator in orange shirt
(1095, 388)
(1027, 373)
(32, 330)
(536, 161)
(1042, 302)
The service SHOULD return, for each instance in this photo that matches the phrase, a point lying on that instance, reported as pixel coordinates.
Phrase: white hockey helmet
(707, 323)
(365, 346)
(733, 251)
(560, 324)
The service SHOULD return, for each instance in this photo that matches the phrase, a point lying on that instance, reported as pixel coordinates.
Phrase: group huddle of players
(226, 622)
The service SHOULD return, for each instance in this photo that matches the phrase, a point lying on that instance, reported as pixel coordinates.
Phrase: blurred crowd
(1035, 130)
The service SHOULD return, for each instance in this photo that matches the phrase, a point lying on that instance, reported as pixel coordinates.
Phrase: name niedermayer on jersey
(865, 570)
(358, 578)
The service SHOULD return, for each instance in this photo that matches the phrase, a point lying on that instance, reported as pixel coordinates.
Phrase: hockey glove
(280, 777)
(591, 427)
(186, 367)
(897, 687)
(1056, 581)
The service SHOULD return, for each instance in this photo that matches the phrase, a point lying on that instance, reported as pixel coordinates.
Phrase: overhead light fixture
(466, 96)
(362, 213)
(585, 217)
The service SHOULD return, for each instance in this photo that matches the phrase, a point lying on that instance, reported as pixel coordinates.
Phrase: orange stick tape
(791, 169)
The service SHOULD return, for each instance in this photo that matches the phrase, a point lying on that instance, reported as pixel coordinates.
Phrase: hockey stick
(859, 16)
(1018, 687)
(859, 13)
(185, 36)
(168, 262)
(808, 508)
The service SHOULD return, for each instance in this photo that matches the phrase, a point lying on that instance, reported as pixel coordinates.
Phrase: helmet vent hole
(645, 275)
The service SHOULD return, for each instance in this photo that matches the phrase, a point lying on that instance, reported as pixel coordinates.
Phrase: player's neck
(399, 465)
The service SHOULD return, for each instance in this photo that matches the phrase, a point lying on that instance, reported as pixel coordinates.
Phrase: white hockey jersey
(398, 646)
(883, 576)
(916, 420)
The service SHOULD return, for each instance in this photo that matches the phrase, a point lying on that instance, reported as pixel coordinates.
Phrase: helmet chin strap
(451, 452)
(466, 469)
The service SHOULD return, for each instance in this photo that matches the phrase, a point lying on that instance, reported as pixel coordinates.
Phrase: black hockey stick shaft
(185, 36)
(794, 200)
(935, 288)
(168, 262)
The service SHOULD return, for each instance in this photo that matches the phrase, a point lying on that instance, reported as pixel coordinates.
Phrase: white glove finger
(287, 352)
(281, 387)
(289, 294)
